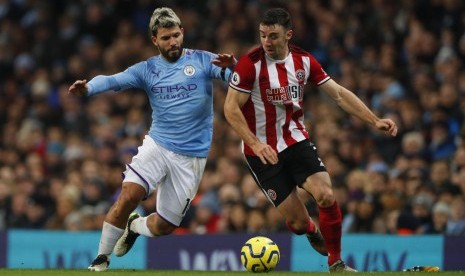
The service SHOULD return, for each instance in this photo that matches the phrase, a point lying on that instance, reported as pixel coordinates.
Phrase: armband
(223, 73)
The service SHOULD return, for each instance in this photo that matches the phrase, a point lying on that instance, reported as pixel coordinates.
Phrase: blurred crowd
(61, 157)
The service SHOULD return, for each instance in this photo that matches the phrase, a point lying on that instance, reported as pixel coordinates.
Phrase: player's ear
(289, 34)
(154, 40)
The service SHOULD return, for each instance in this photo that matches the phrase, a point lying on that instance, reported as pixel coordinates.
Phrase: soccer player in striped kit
(172, 157)
(264, 106)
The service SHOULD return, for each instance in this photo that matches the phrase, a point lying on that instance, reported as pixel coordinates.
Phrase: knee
(326, 198)
(319, 185)
(128, 199)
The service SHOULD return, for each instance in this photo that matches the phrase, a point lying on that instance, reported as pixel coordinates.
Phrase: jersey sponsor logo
(271, 194)
(300, 75)
(235, 79)
(177, 91)
(284, 95)
(189, 70)
(174, 88)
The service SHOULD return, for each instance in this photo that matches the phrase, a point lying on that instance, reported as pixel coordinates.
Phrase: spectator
(442, 145)
(422, 207)
(362, 220)
(440, 216)
(440, 177)
(456, 222)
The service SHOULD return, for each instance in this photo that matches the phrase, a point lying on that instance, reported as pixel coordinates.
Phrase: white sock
(110, 235)
(139, 225)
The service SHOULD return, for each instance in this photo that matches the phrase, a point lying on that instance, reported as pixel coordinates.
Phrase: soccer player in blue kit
(172, 157)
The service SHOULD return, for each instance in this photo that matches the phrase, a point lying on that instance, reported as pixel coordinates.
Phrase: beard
(172, 54)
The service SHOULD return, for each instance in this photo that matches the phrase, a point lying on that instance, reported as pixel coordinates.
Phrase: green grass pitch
(60, 272)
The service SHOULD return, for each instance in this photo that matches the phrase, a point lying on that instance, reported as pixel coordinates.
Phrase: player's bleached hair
(277, 16)
(163, 18)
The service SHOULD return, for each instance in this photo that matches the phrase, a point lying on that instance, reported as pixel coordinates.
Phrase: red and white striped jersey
(274, 110)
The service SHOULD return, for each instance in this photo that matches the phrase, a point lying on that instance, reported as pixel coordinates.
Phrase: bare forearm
(237, 121)
(354, 106)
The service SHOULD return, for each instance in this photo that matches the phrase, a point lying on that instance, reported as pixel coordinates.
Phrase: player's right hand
(266, 153)
(78, 88)
(387, 125)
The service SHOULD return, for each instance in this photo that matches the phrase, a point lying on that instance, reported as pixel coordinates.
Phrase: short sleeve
(244, 75)
(317, 75)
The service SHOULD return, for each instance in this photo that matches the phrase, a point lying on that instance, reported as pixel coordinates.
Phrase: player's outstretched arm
(100, 84)
(79, 88)
(354, 106)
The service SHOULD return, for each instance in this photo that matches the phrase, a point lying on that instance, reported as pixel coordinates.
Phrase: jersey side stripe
(298, 116)
(278, 81)
(270, 110)
(297, 130)
(252, 111)
(306, 67)
(284, 81)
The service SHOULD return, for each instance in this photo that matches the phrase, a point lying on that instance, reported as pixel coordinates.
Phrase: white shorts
(176, 178)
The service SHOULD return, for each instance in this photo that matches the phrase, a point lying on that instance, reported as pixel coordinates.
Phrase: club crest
(300, 75)
(189, 70)
(271, 194)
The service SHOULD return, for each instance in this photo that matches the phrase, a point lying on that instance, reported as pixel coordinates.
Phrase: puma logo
(157, 73)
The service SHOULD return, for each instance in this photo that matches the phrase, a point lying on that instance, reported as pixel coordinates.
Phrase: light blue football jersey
(180, 94)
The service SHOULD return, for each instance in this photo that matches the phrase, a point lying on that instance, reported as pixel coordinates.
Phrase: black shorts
(295, 164)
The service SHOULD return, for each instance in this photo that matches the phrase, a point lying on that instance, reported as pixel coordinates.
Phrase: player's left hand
(224, 60)
(387, 125)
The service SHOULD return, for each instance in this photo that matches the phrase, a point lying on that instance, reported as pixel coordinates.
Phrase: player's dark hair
(277, 16)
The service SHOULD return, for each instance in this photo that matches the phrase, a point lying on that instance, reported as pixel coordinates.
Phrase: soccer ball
(260, 254)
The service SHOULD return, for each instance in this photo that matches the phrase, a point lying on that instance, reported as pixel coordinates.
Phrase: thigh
(302, 160)
(182, 181)
(275, 182)
(148, 167)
